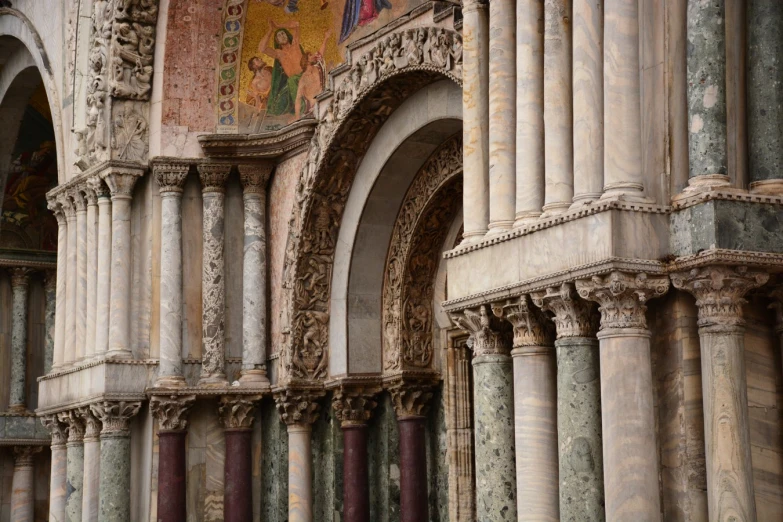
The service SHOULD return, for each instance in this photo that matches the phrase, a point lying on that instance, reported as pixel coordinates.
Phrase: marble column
(581, 469)
(23, 484)
(353, 407)
(493, 399)
(236, 414)
(719, 292)
(75, 465)
(92, 465)
(502, 115)
(20, 279)
(459, 430)
(299, 410)
(535, 411)
(623, 175)
(80, 202)
(91, 270)
(103, 267)
(558, 108)
(69, 351)
(254, 273)
(60, 303)
(121, 183)
(628, 420)
(115, 484)
(170, 176)
(706, 58)
(530, 111)
(50, 294)
(58, 477)
(410, 400)
(475, 126)
(213, 179)
(171, 412)
(588, 71)
(765, 96)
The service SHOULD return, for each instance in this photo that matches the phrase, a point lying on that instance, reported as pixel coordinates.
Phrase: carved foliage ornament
(489, 334)
(353, 406)
(172, 411)
(92, 426)
(57, 429)
(298, 406)
(573, 317)
(115, 415)
(236, 411)
(531, 327)
(75, 425)
(621, 297)
(410, 399)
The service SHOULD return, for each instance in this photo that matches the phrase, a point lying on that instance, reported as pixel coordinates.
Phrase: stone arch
(351, 115)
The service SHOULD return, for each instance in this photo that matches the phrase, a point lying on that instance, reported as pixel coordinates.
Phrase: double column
(58, 477)
(23, 484)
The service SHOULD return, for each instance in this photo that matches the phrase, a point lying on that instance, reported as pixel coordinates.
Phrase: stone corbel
(115, 416)
(171, 411)
(490, 335)
(236, 411)
(573, 317)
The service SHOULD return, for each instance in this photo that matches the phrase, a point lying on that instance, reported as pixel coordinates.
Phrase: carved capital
(89, 194)
(531, 327)
(75, 425)
(56, 429)
(67, 206)
(171, 411)
(78, 198)
(254, 177)
(490, 335)
(213, 176)
(24, 456)
(776, 295)
(170, 175)
(573, 317)
(55, 206)
(298, 406)
(719, 292)
(115, 416)
(20, 277)
(99, 187)
(353, 405)
(92, 425)
(622, 297)
(121, 182)
(410, 398)
(236, 411)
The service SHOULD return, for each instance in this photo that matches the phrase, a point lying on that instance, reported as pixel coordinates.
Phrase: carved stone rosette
(298, 406)
(171, 411)
(236, 411)
(353, 405)
(531, 327)
(75, 426)
(621, 297)
(410, 398)
(719, 292)
(573, 317)
(490, 335)
(57, 430)
(115, 416)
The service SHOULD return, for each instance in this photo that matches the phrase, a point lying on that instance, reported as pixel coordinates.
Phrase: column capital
(254, 177)
(213, 176)
(719, 292)
(490, 335)
(76, 195)
(170, 173)
(410, 398)
(99, 187)
(531, 327)
(298, 406)
(115, 416)
(171, 411)
(24, 456)
(121, 181)
(66, 204)
(75, 425)
(622, 296)
(55, 205)
(236, 411)
(90, 197)
(573, 316)
(56, 429)
(353, 404)
(20, 276)
(92, 425)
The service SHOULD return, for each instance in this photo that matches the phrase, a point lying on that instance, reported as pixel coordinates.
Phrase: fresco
(25, 221)
(289, 46)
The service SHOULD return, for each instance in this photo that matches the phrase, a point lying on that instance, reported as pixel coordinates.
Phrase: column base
(498, 228)
(253, 378)
(472, 237)
(118, 354)
(704, 183)
(582, 200)
(19, 409)
(526, 218)
(767, 187)
(625, 191)
(170, 381)
(217, 380)
(554, 209)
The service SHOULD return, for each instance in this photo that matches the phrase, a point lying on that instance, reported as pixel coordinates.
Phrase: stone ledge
(16, 428)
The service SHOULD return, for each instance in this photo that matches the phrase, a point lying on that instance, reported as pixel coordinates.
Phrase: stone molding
(353, 404)
(298, 407)
(236, 411)
(213, 176)
(171, 411)
(170, 174)
(75, 426)
(56, 429)
(277, 145)
(254, 177)
(24, 456)
(410, 397)
(92, 425)
(489, 334)
(531, 326)
(621, 297)
(573, 317)
(719, 293)
(115, 416)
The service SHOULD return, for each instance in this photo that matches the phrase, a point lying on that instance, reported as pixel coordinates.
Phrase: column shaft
(62, 274)
(81, 275)
(119, 319)
(57, 481)
(50, 290)
(530, 110)
(170, 369)
(475, 111)
(103, 285)
(413, 469)
(300, 473)
(92, 272)
(75, 481)
(356, 480)
(70, 291)
(23, 485)
(238, 471)
(91, 480)
(558, 110)
(19, 280)
(172, 473)
(502, 115)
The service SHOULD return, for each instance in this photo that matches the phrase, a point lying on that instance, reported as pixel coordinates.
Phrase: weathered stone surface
(115, 479)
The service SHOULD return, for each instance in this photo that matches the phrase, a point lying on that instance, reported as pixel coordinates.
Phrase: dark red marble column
(356, 486)
(171, 476)
(238, 506)
(413, 470)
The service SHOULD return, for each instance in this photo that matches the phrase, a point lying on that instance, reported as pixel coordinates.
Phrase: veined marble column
(623, 175)
(115, 483)
(50, 290)
(20, 278)
(581, 469)
(254, 321)
(92, 270)
(719, 292)
(493, 399)
(171, 176)
(410, 399)
(588, 78)
(765, 96)
(23, 484)
(236, 414)
(62, 262)
(459, 430)
(530, 110)
(475, 126)
(535, 411)
(92, 465)
(80, 203)
(558, 109)
(58, 477)
(171, 413)
(502, 115)
(103, 267)
(69, 351)
(120, 182)
(299, 410)
(630, 475)
(353, 407)
(75, 466)
(213, 179)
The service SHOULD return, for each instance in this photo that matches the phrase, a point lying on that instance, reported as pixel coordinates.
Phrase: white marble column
(69, 351)
(558, 111)
(120, 182)
(50, 291)
(623, 176)
(530, 110)
(92, 465)
(57, 481)
(60, 302)
(23, 484)
(475, 113)
(588, 84)
(75, 465)
(92, 270)
(81, 273)
(254, 305)
(103, 267)
(719, 292)
(502, 115)
(20, 279)
(170, 176)
(628, 420)
(213, 349)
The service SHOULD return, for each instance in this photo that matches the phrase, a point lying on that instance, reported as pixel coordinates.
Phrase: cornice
(279, 144)
(92, 399)
(12, 258)
(94, 172)
(725, 195)
(25, 442)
